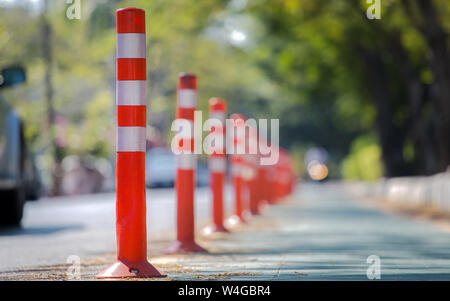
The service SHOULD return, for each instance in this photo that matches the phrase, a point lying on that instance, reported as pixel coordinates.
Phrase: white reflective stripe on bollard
(217, 164)
(218, 115)
(236, 169)
(131, 93)
(187, 98)
(187, 161)
(248, 173)
(131, 45)
(131, 139)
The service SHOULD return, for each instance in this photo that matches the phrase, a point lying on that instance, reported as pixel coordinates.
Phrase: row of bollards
(254, 184)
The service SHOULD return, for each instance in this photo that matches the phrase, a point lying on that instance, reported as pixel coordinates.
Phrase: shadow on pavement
(46, 230)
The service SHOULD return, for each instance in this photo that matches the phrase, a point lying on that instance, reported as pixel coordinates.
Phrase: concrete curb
(433, 191)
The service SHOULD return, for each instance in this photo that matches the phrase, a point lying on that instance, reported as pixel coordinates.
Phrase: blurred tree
(363, 162)
(330, 74)
(364, 72)
(82, 67)
(428, 18)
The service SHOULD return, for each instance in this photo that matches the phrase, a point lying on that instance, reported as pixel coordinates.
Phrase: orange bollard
(185, 177)
(270, 178)
(263, 178)
(251, 183)
(275, 181)
(217, 166)
(252, 179)
(253, 196)
(131, 229)
(238, 169)
(280, 175)
(283, 175)
(263, 186)
(290, 176)
(238, 185)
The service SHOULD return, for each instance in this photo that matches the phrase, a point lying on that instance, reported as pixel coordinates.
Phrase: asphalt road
(320, 234)
(55, 228)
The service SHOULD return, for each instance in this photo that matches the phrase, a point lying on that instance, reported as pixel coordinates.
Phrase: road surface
(319, 234)
(55, 228)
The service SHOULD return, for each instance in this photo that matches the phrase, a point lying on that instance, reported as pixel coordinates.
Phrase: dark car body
(19, 178)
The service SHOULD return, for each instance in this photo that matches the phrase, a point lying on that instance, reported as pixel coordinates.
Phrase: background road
(320, 234)
(55, 228)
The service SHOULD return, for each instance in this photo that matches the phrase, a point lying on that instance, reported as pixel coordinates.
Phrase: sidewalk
(317, 235)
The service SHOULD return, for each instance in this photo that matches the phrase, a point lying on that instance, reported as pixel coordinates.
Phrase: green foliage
(363, 161)
(346, 75)
(84, 68)
(304, 63)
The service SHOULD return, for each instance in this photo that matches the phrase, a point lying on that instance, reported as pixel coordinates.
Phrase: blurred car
(85, 175)
(202, 174)
(19, 178)
(161, 168)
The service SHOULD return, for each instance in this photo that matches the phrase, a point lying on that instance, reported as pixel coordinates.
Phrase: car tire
(11, 207)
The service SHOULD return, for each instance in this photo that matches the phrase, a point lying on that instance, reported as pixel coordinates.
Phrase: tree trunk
(391, 136)
(418, 126)
(429, 25)
(48, 62)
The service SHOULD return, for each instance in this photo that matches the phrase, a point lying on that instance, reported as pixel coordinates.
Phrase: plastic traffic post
(131, 228)
(289, 174)
(238, 168)
(278, 174)
(217, 165)
(272, 177)
(252, 179)
(282, 181)
(263, 183)
(263, 186)
(186, 161)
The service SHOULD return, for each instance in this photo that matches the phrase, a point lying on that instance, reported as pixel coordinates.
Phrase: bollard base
(214, 229)
(121, 269)
(255, 212)
(264, 206)
(235, 220)
(185, 247)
